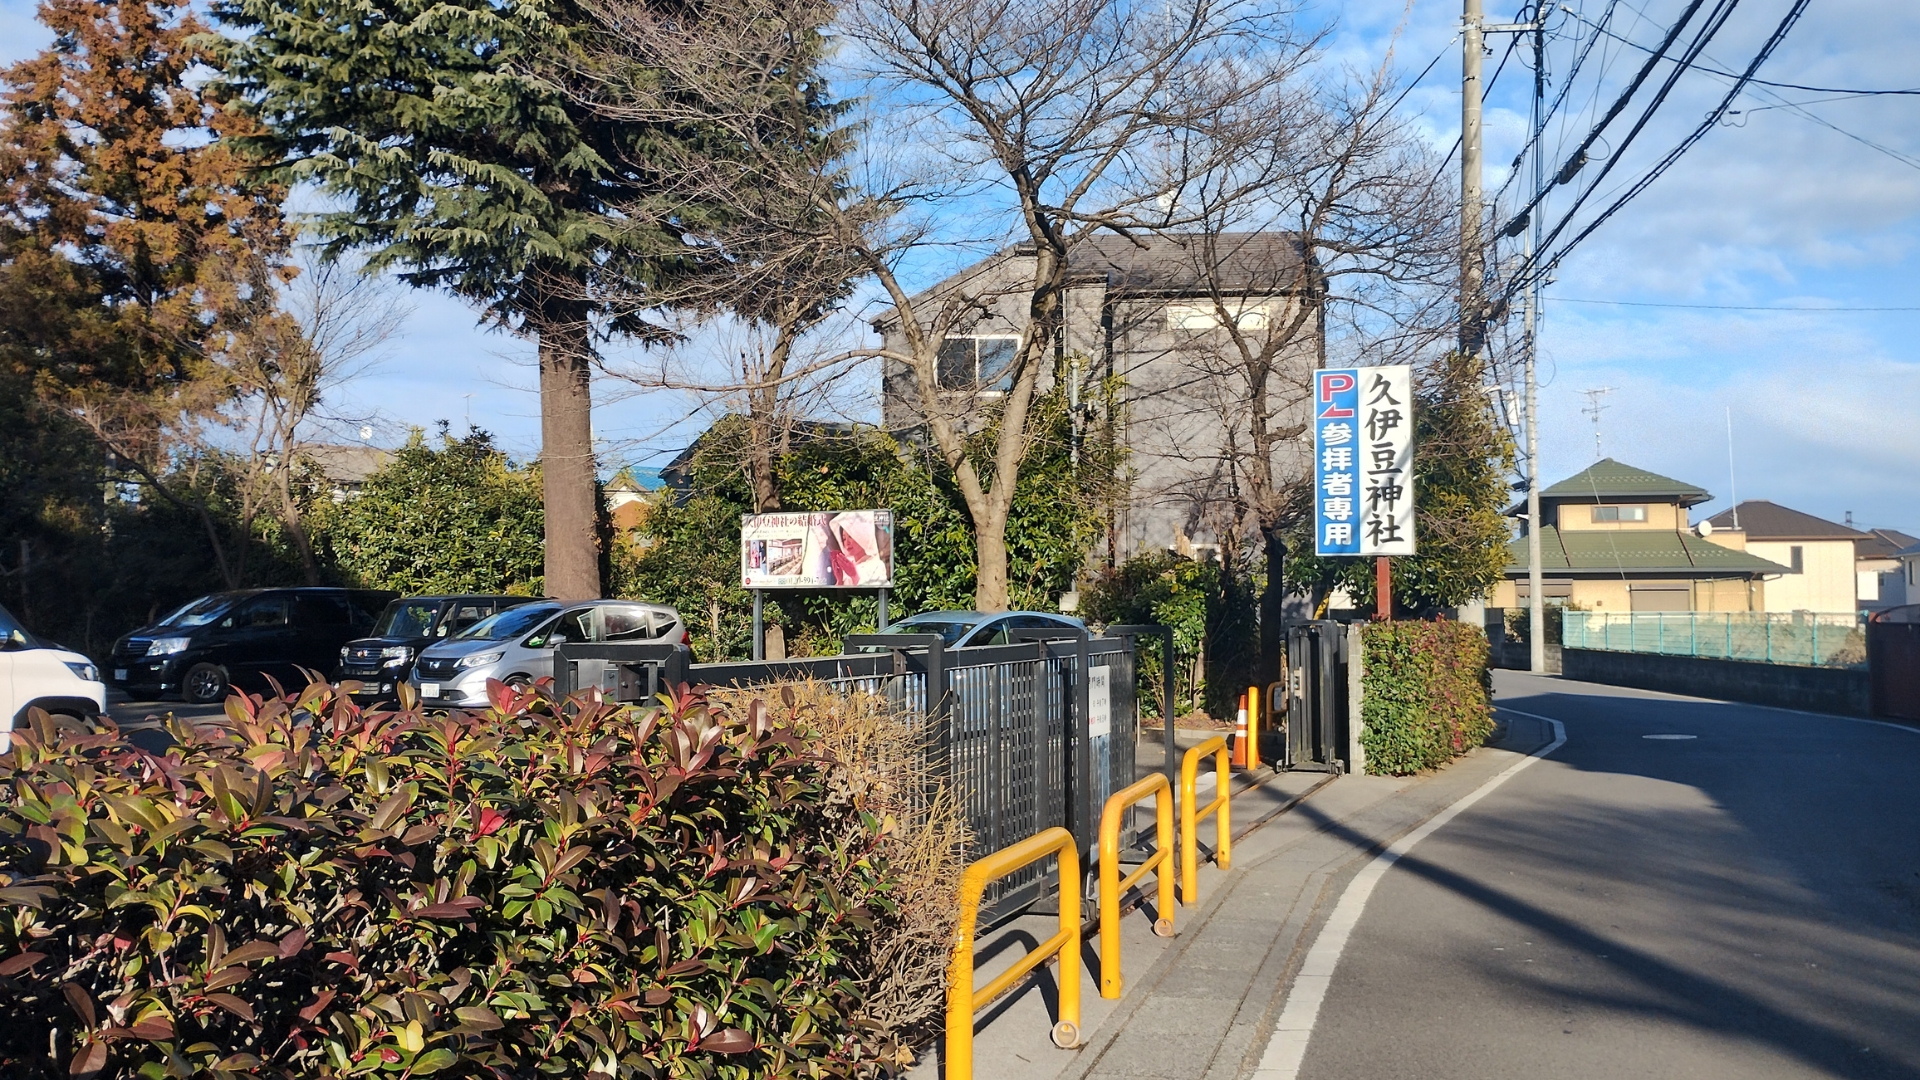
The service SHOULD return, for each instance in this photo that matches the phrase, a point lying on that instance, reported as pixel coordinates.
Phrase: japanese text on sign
(1363, 461)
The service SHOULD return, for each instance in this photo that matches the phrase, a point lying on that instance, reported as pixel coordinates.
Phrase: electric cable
(1713, 118)
(1850, 92)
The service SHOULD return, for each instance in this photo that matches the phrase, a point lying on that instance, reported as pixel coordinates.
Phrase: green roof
(1609, 479)
(1636, 551)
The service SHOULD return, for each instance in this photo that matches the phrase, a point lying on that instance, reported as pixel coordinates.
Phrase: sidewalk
(1201, 1005)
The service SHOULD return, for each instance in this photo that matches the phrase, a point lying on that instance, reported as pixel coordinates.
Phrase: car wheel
(204, 684)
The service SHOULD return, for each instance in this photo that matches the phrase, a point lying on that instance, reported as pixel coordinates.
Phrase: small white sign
(1099, 702)
(429, 689)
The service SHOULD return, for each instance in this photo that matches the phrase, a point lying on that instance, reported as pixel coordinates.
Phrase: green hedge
(544, 888)
(1426, 695)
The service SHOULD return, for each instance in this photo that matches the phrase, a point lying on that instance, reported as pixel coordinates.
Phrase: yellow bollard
(1253, 727)
(962, 998)
(1190, 816)
(1111, 884)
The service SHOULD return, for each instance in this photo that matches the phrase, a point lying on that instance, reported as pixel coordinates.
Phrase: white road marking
(1288, 1047)
(1669, 736)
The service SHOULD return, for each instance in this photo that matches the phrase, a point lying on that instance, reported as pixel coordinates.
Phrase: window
(1619, 513)
(978, 362)
(1797, 559)
(1203, 317)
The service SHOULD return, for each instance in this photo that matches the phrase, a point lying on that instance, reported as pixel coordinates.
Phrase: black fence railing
(1032, 734)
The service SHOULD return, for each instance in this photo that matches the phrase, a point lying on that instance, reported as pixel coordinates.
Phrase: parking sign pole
(759, 624)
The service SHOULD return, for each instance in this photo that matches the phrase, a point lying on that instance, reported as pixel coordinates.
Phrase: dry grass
(877, 753)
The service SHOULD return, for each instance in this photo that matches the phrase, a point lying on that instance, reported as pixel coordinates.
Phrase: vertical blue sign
(1336, 409)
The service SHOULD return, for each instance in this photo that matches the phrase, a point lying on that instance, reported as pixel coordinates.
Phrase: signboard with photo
(844, 549)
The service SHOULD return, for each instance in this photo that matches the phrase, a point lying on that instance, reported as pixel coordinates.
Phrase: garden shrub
(1426, 694)
(543, 888)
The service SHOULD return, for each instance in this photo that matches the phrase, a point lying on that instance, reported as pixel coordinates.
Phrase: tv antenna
(1593, 410)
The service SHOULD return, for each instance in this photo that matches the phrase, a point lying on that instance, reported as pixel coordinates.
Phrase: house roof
(345, 463)
(1189, 264)
(1883, 544)
(1161, 264)
(1635, 551)
(1762, 520)
(1610, 479)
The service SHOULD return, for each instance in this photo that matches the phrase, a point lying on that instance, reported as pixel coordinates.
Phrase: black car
(239, 639)
(385, 659)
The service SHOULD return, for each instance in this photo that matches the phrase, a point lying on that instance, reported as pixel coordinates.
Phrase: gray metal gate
(1316, 696)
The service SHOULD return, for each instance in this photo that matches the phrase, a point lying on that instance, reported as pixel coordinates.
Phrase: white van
(39, 673)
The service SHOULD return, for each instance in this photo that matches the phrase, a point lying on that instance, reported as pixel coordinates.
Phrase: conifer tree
(449, 155)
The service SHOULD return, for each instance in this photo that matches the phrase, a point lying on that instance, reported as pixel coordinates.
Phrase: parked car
(516, 646)
(959, 629)
(240, 638)
(384, 659)
(36, 672)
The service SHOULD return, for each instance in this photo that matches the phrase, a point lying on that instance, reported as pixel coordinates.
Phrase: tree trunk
(297, 530)
(567, 462)
(1273, 612)
(990, 558)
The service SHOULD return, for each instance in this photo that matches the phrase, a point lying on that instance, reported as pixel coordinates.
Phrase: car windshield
(950, 628)
(200, 612)
(11, 631)
(407, 618)
(508, 624)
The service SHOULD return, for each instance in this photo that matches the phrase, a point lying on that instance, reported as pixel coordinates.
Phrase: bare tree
(1366, 272)
(331, 327)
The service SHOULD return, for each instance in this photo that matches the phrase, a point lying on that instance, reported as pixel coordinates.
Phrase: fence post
(1729, 635)
(1769, 637)
(1815, 658)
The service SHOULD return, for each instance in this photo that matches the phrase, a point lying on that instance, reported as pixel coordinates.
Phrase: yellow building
(1616, 538)
(1820, 556)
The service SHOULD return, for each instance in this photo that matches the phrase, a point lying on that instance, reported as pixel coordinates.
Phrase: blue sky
(1777, 212)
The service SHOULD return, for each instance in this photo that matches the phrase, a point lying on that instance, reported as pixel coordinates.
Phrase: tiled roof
(1635, 551)
(1763, 520)
(1610, 479)
(1176, 264)
(1883, 544)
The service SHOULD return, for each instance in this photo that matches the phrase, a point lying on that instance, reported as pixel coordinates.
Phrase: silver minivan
(516, 645)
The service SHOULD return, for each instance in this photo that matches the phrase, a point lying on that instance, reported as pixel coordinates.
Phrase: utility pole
(1536, 586)
(1472, 268)
(1473, 28)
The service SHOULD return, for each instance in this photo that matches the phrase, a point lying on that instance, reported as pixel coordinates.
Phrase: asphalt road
(138, 718)
(1744, 904)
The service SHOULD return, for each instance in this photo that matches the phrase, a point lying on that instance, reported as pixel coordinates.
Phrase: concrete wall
(1845, 691)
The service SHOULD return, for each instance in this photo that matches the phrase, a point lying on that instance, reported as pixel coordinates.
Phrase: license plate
(120, 674)
(429, 689)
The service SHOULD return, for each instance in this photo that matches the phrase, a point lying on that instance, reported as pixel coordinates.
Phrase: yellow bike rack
(1190, 815)
(1112, 885)
(961, 995)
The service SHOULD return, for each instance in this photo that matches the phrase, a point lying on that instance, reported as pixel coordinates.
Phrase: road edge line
(1287, 1049)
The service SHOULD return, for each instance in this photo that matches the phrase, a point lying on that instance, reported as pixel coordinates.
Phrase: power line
(1713, 118)
(1850, 92)
(1719, 307)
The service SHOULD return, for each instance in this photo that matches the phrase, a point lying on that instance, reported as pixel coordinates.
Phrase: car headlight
(83, 670)
(396, 655)
(480, 659)
(167, 646)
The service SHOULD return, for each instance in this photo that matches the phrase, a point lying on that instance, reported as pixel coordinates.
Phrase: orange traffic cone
(1240, 739)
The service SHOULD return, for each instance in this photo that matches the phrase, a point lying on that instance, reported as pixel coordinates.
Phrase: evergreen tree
(453, 152)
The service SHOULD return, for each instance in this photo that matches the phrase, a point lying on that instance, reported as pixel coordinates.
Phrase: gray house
(1187, 321)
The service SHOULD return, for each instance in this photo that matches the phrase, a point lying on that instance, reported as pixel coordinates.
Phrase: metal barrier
(1190, 815)
(1112, 885)
(1317, 696)
(1009, 728)
(962, 998)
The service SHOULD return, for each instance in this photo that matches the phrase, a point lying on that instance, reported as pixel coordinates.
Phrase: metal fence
(1820, 639)
(1013, 728)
